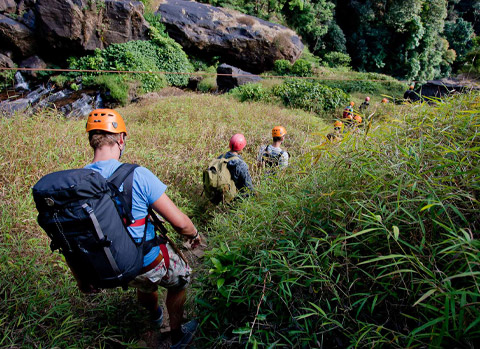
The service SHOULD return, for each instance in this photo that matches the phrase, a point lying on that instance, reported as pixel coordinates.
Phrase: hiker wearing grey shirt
(272, 155)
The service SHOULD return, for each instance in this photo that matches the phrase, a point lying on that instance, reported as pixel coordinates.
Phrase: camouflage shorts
(176, 277)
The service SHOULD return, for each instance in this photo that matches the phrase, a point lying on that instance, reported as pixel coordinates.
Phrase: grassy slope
(375, 245)
(175, 137)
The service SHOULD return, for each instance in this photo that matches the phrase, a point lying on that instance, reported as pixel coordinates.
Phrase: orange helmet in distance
(279, 131)
(352, 103)
(385, 100)
(358, 118)
(338, 123)
(107, 120)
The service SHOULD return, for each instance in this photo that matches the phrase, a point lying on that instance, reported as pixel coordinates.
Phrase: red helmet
(367, 99)
(237, 142)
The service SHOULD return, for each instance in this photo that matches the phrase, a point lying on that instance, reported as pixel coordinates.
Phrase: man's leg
(175, 302)
(149, 301)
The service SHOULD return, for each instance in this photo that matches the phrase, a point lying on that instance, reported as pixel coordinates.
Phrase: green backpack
(217, 181)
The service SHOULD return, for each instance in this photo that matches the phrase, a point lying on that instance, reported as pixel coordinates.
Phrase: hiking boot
(188, 331)
(157, 320)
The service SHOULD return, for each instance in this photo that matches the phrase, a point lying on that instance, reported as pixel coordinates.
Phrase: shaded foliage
(371, 242)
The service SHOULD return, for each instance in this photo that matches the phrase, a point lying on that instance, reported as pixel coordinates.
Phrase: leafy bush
(159, 54)
(7, 79)
(337, 59)
(282, 67)
(250, 92)
(374, 245)
(302, 68)
(59, 80)
(371, 83)
(117, 84)
(310, 96)
(207, 84)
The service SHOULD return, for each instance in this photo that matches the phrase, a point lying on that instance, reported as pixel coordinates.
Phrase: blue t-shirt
(147, 189)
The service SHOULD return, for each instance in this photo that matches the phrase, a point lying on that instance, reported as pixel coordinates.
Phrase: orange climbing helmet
(107, 120)
(237, 142)
(358, 119)
(279, 131)
(338, 124)
(352, 103)
(385, 100)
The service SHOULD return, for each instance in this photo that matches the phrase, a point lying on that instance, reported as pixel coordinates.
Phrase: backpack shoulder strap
(121, 173)
(229, 159)
(124, 174)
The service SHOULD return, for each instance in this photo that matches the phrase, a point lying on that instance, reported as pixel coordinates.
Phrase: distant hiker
(358, 119)
(337, 132)
(348, 111)
(410, 95)
(88, 230)
(272, 155)
(227, 176)
(366, 103)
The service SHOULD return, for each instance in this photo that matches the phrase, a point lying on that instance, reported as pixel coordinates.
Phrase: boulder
(79, 26)
(17, 37)
(6, 62)
(54, 97)
(234, 77)
(34, 62)
(248, 42)
(28, 19)
(34, 96)
(9, 108)
(80, 108)
(8, 6)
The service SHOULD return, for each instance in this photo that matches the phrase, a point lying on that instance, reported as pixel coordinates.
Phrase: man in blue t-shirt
(107, 136)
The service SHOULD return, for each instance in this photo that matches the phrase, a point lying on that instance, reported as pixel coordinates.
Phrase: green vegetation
(366, 243)
(160, 54)
(119, 85)
(41, 305)
(307, 95)
(369, 242)
(300, 67)
(412, 40)
(7, 79)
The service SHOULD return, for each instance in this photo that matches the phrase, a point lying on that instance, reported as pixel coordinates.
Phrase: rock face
(8, 6)
(34, 62)
(80, 26)
(234, 77)
(57, 29)
(16, 36)
(244, 41)
(6, 62)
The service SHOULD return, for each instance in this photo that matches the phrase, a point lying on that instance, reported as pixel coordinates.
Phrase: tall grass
(376, 244)
(175, 137)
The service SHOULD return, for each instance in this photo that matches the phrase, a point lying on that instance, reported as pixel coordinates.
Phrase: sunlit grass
(175, 137)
